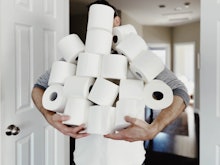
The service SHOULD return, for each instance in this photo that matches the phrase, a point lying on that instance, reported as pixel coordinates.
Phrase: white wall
(157, 34)
(128, 20)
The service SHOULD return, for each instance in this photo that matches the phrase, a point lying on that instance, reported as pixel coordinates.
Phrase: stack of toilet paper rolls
(98, 88)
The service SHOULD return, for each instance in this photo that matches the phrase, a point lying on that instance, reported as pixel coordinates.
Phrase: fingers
(135, 121)
(74, 132)
(122, 135)
(130, 119)
(135, 132)
(128, 134)
(114, 136)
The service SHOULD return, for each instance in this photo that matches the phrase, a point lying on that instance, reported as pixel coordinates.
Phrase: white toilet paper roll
(131, 89)
(100, 17)
(60, 71)
(89, 65)
(77, 87)
(98, 41)
(120, 32)
(53, 99)
(146, 66)
(114, 66)
(130, 74)
(157, 95)
(103, 92)
(78, 110)
(70, 46)
(128, 107)
(131, 46)
(101, 120)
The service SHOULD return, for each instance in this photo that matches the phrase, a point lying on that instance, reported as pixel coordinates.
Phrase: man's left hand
(139, 130)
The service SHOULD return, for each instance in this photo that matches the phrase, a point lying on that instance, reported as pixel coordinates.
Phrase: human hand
(56, 120)
(138, 130)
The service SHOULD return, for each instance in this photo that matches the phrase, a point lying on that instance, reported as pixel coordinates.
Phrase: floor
(157, 158)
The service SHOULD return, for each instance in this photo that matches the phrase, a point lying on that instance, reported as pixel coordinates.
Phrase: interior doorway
(184, 66)
(163, 52)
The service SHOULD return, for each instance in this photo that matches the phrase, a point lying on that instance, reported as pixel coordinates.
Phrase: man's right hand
(56, 120)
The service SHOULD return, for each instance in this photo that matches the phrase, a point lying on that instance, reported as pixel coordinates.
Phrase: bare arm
(55, 119)
(140, 130)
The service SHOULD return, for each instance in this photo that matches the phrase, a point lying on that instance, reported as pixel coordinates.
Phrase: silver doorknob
(12, 130)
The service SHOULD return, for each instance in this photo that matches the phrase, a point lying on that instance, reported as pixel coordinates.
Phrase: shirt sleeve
(175, 84)
(42, 81)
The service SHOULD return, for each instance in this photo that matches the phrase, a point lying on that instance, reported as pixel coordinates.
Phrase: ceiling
(148, 12)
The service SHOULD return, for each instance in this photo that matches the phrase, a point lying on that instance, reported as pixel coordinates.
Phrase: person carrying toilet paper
(115, 148)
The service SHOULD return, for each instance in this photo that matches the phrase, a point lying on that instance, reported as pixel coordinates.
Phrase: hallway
(177, 143)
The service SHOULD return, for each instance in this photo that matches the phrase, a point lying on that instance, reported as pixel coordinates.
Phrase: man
(102, 150)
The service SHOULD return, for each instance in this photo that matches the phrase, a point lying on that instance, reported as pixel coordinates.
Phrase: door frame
(1, 128)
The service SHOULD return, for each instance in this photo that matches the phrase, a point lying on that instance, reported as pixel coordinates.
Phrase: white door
(210, 83)
(29, 31)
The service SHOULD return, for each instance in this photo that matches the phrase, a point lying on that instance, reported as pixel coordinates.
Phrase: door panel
(29, 30)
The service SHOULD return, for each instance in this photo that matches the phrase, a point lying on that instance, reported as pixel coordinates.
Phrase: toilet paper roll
(120, 32)
(157, 95)
(114, 66)
(70, 46)
(131, 89)
(130, 74)
(60, 71)
(131, 46)
(128, 107)
(100, 17)
(146, 66)
(103, 92)
(89, 65)
(101, 120)
(53, 99)
(98, 41)
(78, 110)
(77, 87)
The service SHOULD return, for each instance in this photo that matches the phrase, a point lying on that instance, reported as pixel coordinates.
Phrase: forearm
(37, 94)
(167, 115)
(55, 119)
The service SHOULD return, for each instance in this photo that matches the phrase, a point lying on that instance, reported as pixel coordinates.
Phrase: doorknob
(12, 130)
